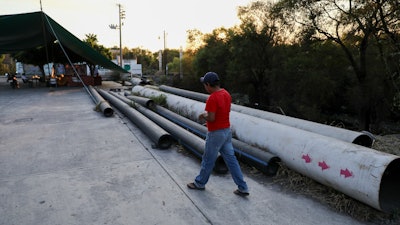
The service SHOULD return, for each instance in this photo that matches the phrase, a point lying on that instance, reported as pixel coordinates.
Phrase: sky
(146, 20)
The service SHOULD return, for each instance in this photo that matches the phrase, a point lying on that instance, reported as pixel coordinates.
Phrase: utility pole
(180, 62)
(121, 15)
(165, 53)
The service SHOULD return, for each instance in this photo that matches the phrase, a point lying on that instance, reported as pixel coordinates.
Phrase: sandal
(194, 186)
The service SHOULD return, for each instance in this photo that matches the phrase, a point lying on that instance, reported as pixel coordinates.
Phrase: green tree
(252, 49)
(187, 70)
(307, 84)
(6, 64)
(174, 66)
(214, 55)
(195, 40)
(144, 57)
(91, 40)
(352, 25)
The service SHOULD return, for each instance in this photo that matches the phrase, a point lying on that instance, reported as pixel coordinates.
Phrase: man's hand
(203, 116)
(207, 116)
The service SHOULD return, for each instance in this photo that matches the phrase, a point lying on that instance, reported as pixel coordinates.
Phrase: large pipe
(365, 174)
(101, 103)
(361, 138)
(185, 93)
(192, 142)
(158, 135)
(262, 160)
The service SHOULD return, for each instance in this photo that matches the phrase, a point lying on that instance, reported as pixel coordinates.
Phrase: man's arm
(208, 116)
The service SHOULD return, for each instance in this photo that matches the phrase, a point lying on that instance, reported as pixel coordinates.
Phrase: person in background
(14, 81)
(219, 136)
(24, 78)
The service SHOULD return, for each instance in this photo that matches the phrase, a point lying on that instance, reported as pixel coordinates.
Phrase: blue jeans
(220, 141)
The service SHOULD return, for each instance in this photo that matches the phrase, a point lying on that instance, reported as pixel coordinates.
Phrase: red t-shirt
(219, 103)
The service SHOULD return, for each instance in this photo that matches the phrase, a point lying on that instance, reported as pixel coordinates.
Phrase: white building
(131, 66)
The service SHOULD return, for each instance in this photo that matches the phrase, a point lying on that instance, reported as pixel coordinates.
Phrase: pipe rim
(164, 142)
(220, 166)
(364, 140)
(273, 166)
(108, 112)
(389, 194)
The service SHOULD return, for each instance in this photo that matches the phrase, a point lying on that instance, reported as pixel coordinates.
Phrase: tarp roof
(26, 31)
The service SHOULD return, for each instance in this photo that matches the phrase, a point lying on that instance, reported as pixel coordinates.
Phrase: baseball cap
(209, 77)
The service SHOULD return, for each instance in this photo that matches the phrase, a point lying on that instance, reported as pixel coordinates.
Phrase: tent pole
(45, 42)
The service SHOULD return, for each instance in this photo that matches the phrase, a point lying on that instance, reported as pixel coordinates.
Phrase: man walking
(219, 136)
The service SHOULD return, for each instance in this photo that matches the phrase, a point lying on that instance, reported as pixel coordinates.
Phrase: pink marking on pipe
(347, 173)
(306, 158)
(323, 165)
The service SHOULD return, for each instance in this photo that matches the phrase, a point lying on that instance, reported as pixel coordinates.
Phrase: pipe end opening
(164, 141)
(273, 166)
(365, 140)
(220, 166)
(150, 104)
(389, 194)
(108, 112)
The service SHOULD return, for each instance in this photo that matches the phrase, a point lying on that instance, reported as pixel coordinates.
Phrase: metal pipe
(262, 160)
(101, 103)
(186, 138)
(158, 135)
(140, 100)
(185, 93)
(362, 173)
(363, 138)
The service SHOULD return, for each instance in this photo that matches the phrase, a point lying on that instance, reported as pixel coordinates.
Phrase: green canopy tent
(26, 31)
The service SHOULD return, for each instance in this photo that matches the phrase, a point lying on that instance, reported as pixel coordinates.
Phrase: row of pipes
(160, 130)
(363, 138)
(338, 158)
(193, 141)
(345, 164)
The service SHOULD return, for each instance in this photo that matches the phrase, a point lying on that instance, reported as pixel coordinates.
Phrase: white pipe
(367, 175)
(136, 81)
(362, 138)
